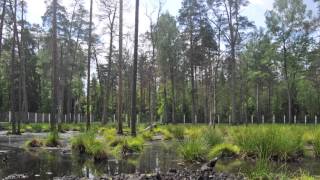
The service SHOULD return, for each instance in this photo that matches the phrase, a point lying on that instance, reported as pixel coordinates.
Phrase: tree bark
(2, 23)
(119, 104)
(134, 75)
(88, 67)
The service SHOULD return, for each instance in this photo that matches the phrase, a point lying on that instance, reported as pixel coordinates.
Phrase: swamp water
(156, 157)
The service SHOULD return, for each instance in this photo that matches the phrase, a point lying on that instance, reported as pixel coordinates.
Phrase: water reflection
(157, 157)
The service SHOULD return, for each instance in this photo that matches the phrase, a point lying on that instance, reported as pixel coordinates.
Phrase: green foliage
(164, 132)
(52, 139)
(34, 143)
(147, 135)
(316, 143)
(224, 150)
(212, 136)
(193, 149)
(177, 131)
(269, 141)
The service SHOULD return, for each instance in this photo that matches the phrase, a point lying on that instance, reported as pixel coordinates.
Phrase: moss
(148, 135)
(224, 150)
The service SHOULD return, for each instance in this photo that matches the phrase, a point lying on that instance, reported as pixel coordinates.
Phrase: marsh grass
(52, 139)
(193, 149)
(316, 143)
(272, 141)
(177, 131)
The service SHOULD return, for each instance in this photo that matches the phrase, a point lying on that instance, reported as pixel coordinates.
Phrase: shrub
(224, 150)
(193, 149)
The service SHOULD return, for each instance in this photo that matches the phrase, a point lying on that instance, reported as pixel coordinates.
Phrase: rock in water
(213, 162)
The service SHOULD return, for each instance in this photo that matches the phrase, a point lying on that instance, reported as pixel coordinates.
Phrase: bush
(224, 150)
(193, 149)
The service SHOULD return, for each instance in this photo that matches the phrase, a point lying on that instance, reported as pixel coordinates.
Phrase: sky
(255, 11)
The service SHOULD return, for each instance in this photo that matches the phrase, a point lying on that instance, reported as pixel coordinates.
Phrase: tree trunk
(2, 23)
(134, 75)
(173, 95)
(88, 67)
(119, 104)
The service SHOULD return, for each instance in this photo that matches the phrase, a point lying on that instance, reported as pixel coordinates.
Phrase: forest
(206, 80)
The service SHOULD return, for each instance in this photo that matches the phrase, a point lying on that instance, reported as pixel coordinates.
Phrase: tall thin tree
(55, 106)
(134, 75)
(88, 67)
(119, 105)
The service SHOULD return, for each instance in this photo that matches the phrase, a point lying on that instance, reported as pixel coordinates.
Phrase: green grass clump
(52, 139)
(126, 145)
(86, 143)
(177, 131)
(268, 142)
(194, 132)
(193, 149)
(224, 150)
(164, 132)
(316, 143)
(82, 142)
(212, 136)
(147, 135)
(34, 143)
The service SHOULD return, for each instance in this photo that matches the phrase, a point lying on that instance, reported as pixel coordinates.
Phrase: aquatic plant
(147, 135)
(211, 136)
(193, 149)
(164, 132)
(224, 150)
(52, 139)
(34, 143)
(82, 142)
(269, 141)
(177, 131)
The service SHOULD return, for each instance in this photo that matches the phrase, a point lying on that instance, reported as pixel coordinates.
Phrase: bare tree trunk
(2, 23)
(134, 75)
(173, 95)
(88, 67)
(119, 104)
(14, 81)
(23, 66)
